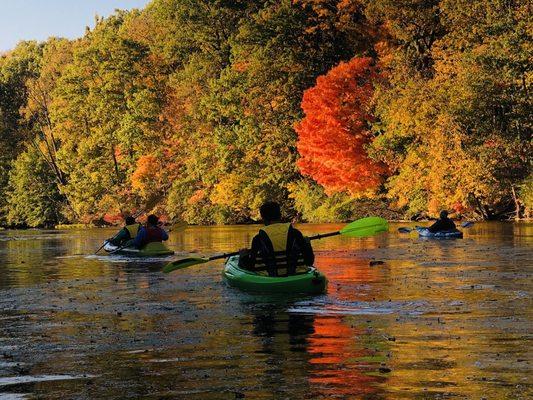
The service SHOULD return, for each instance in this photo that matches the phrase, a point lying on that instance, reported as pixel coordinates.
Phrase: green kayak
(310, 282)
(154, 249)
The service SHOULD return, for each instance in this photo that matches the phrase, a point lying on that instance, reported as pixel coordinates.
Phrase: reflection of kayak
(424, 232)
(150, 250)
(310, 282)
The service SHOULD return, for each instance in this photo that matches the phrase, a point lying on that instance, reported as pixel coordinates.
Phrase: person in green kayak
(278, 249)
(126, 234)
(443, 224)
(150, 232)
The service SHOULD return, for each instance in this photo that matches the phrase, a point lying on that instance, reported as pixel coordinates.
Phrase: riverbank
(398, 221)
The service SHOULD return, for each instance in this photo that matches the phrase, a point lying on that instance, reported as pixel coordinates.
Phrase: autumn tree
(33, 198)
(36, 120)
(405, 32)
(335, 131)
(460, 138)
(193, 109)
(106, 113)
(16, 67)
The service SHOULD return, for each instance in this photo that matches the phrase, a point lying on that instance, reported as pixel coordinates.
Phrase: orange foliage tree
(332, 137)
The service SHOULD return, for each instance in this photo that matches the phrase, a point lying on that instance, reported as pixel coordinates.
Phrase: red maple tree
(334, 132)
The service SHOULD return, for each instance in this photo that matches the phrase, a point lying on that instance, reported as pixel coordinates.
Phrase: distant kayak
(153, 249)
(310, 282)
(425, 233)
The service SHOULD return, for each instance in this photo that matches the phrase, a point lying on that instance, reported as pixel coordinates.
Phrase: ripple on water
(17, 380)
(126, 259)
(336, 307)
(14, 396)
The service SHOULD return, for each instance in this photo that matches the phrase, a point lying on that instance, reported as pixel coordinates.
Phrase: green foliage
(313, 205)
(105, 111)
(33, 197)
(16, 67)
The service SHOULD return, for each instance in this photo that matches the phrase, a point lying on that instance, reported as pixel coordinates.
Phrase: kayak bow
(426, 233)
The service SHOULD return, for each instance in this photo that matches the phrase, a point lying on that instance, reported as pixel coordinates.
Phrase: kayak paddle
(363, 227)
(102, 246)
(466, 224)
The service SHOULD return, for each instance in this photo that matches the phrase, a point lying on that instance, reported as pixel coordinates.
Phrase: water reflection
(425, 319)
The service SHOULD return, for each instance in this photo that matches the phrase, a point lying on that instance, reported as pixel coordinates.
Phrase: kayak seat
(281, 262)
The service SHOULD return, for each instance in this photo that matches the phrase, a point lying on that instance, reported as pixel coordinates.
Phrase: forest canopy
(200, 110)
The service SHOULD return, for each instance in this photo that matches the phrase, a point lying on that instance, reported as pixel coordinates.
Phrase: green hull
(312, 282)
(155, 249)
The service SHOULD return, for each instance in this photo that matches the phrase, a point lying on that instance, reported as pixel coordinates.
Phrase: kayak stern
(154, 249)
(310, 282)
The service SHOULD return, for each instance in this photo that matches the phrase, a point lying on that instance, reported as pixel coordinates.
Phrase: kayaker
(443, 223)
(149, 233)
(278, 249)
(128, 233)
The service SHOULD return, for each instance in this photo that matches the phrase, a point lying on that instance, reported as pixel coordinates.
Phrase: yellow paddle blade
(184, 263)
(364, 227)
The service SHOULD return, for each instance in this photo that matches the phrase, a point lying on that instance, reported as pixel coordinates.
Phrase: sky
(40, 19)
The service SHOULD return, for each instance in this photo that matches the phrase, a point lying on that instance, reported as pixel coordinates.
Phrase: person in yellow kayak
(150, 232)
(126, 234)
(278, 249)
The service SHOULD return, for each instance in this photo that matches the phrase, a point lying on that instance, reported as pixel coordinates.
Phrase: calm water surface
(435, 320)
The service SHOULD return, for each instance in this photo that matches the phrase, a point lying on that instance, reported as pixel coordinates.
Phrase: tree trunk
(516, 202)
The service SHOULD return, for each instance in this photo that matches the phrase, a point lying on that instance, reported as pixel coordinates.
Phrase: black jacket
(443, 224)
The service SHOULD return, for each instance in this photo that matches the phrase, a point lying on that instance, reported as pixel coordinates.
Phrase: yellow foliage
(228, 190)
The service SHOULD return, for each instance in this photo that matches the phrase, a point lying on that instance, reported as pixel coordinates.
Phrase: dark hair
(152, 220)
(443, 214)
(130, 220)
(270, 211)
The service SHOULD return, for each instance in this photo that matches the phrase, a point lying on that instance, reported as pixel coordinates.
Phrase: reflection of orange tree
(344, 274)
(342, 363)
(335, 350)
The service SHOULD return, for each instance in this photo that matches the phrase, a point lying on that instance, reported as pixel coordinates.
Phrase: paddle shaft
(225, 255)
(367, 226)
(101, 247)
(324, 235)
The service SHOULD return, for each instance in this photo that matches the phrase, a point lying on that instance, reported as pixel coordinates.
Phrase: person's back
(150, 233)
(278, 249)
(128, 233)
(443, 224)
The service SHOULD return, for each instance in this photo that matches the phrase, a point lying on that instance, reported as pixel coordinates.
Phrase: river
(435, 320)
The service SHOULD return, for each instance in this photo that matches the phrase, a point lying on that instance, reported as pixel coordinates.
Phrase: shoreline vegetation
(405, 221)
(201, 110)
(109, 225)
